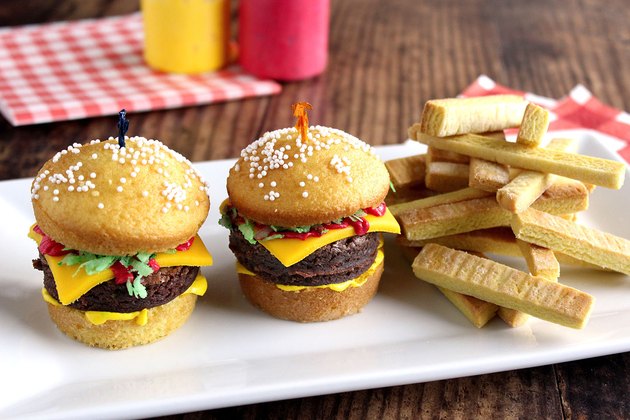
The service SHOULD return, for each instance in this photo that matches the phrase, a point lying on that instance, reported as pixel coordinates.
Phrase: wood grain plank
(591, 388)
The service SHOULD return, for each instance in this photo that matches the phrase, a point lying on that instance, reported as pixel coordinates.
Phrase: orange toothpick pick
(300, 112)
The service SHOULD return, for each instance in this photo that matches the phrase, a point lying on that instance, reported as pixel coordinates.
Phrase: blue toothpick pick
(123, 126)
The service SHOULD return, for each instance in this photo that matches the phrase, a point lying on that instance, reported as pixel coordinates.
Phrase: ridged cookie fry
(541, 262)
(502, 285)
(436, 200)
(499, 240)
(527, 186)
(483, 213)
(477, 311)
(581, 242)
(593, 170)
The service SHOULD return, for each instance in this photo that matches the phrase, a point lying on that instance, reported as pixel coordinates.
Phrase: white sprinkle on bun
(109, 200)
(282, 180)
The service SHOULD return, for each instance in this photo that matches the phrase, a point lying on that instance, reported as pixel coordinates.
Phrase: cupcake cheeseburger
(116, 228)
(305, 209)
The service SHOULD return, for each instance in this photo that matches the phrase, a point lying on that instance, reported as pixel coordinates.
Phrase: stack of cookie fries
(474, 192)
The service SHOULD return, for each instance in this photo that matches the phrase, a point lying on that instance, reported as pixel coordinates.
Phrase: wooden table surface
(386, 58)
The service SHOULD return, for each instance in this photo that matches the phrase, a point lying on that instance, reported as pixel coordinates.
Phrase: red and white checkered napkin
(580, 109)
(72, 70)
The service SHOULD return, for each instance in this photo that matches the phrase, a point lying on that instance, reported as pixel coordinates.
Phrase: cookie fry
(541, 262)
(437, 155)
(534, 126)
(446, 117)
(502, 285)
(527, 186)
(487, 176)
(446, 176)
(406, 172)
(598, 171)
(436, 200)
(581, 242)
(477, 311)
(483, 213)
(499, 240)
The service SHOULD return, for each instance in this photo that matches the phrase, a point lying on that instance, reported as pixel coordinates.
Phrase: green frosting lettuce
(276, 236)
(247, 229)
(298, 229)
(93, 264)
(225, 221)
(136, 288)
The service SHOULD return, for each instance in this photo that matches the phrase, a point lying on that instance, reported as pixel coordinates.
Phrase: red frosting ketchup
(186, 245)
(122, 274)
(376, 211)
(361, 226)
(49, 246)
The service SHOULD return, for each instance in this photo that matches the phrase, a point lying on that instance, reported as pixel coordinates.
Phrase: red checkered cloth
(71, 70)
(580, 109)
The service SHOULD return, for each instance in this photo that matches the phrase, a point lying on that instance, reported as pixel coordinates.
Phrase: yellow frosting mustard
(98, 318)
(198, 287)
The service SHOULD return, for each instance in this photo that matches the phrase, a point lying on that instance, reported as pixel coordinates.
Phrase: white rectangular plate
(230, 353)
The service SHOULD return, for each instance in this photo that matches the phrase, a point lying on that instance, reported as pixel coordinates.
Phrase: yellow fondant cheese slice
(291, 251)
(198, 287)
(196, 255)
(337, 287)
(72, 283)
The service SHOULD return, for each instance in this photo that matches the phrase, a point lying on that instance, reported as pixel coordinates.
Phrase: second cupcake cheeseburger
(305, 208)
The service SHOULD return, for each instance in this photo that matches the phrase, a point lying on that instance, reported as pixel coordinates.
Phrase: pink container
(284, 39)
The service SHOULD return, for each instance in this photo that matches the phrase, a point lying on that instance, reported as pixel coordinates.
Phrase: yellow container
(186, 36)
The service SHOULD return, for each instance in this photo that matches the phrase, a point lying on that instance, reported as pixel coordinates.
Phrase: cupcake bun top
(108, 200)
(284, 181)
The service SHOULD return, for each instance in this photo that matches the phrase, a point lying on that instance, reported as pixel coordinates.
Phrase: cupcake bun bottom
(311, 304)
(116, 335)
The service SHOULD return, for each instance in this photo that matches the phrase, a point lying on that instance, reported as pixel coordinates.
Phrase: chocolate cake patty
(162, 286)
(337, 262)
